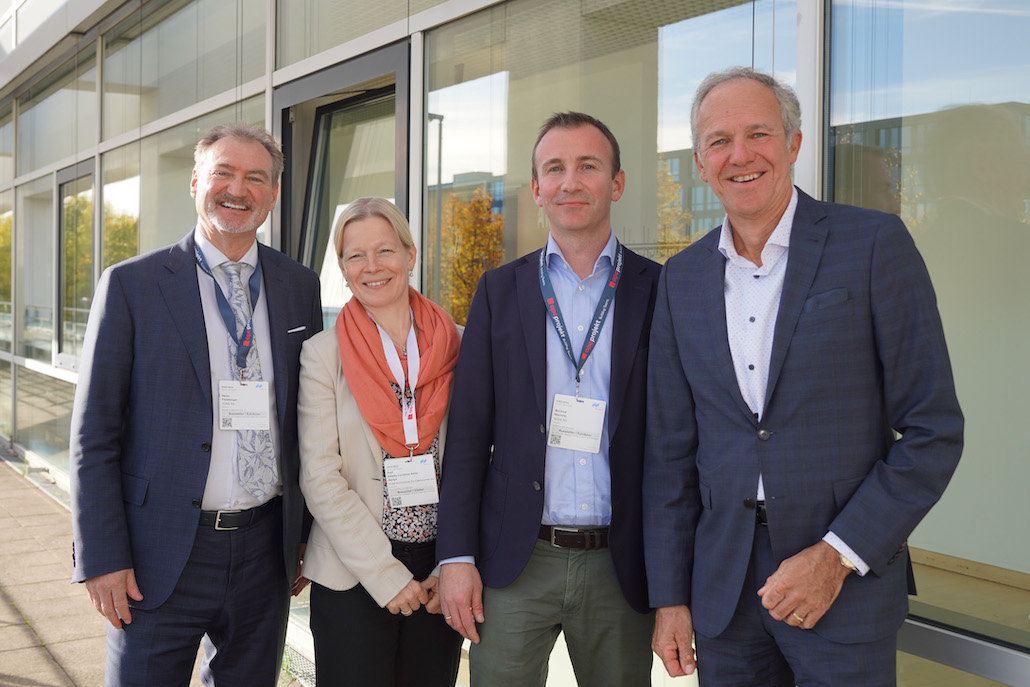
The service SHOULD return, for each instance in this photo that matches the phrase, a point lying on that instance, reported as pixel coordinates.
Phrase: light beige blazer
(341, 476)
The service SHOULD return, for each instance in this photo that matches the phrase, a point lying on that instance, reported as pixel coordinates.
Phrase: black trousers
(358, 643)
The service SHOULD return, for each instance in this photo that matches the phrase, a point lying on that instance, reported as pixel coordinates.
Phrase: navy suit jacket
(858, 351)
(492, 497)
(143, 418)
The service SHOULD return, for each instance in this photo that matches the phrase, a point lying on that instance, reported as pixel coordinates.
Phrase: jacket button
(749, 504)
(542, 430)
(536, 485)
(205, 447)
(196, 503)
(764, 434)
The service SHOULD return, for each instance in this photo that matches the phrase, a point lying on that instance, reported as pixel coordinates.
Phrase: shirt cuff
(459, 559)
(842, 548)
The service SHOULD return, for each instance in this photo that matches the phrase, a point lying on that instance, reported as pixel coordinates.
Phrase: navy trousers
(233, 594)
(757, 651)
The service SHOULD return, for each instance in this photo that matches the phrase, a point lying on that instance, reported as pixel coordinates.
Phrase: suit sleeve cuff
(842, 548)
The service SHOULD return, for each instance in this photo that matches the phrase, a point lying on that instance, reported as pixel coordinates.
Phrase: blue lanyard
(242, 346)
(600, 313)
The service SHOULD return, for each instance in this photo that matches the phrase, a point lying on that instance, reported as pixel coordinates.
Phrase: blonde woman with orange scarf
(373, 399)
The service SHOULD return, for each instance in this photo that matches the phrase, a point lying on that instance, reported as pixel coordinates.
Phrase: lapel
(807, 240)
(532, 319)
(631, 299)
(181, 292)
(713, 299)
(277, 303)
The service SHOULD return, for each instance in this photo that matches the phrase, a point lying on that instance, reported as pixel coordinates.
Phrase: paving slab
(16, 636)
(33, 667)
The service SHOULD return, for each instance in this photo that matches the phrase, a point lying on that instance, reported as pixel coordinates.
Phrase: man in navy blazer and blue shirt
(186, 532)
(787, 349)
(540, 495)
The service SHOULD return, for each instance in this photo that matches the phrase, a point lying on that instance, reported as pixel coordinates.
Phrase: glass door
(344, 132)
(75, 292)
(353, 156)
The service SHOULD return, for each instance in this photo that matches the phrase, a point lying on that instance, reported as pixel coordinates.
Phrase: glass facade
(57, 116)
(929, 117)
(169, 55)
(928, 111)
(493, 77)
(34, 247)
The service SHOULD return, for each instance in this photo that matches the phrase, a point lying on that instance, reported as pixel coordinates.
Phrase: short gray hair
(247, 132)
(790, 108)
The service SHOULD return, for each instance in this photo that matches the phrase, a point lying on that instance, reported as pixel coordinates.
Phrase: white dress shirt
(223, 489)
(752, 303)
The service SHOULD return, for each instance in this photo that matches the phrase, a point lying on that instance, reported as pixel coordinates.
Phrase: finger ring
(447, 617)
(409, 613)
(800, 619)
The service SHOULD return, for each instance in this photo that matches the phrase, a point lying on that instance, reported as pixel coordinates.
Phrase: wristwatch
(847, 563)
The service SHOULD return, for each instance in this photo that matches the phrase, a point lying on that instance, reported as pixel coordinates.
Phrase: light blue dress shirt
(578, 485)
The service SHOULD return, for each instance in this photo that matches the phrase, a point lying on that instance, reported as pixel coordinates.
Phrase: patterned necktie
(255, 455)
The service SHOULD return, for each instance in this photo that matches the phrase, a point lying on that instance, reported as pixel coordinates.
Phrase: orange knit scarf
(368, 374)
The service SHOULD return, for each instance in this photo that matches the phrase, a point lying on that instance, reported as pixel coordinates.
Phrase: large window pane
(495, 76)
(6, 399)
(57, 116)
(307, 27)
(120, 171)
(44, 408)
(169, 55)
(6, 146)
(6, 265)
(76, 261)
(932, 104)
(35, 250)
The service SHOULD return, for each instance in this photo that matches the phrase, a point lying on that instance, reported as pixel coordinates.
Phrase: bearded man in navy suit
(186, 505)
(789, 349)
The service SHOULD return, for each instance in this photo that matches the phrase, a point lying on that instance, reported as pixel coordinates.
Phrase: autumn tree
(471, 238)
(673, 221)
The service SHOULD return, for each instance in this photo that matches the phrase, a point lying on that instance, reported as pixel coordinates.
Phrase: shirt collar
(215, 257)
(779, 237)
(608, 252)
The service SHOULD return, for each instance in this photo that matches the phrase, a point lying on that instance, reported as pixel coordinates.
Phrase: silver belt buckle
(218, 520)
(555, 528)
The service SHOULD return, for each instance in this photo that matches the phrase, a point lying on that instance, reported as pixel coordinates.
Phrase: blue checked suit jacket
(143, 419)
(858, 351)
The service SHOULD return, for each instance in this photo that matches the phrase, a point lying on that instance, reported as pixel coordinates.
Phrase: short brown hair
(574, 120)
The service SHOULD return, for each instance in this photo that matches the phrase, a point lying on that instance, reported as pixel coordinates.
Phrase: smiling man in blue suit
(540, 529)
(801, 417)
(186, 506)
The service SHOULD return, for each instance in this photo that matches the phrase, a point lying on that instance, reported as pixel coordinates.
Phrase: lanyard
(410, 421)
(600, 313)
(242, 346)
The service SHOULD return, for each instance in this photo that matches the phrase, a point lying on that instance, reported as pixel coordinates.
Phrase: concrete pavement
(50, 634)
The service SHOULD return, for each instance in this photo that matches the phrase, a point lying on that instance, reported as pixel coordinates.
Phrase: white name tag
(411, 481)
(576, 423)
(243, 405)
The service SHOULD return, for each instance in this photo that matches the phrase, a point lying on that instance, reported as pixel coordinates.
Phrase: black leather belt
(760, 514)
(228, 520)
(575, 537)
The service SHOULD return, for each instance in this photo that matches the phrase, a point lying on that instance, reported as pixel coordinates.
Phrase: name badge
(411, 481)
(576, 423)
(243, 405)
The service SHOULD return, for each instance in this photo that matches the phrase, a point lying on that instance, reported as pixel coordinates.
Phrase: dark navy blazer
(492, 497)
(858, 351)
(143, 419)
